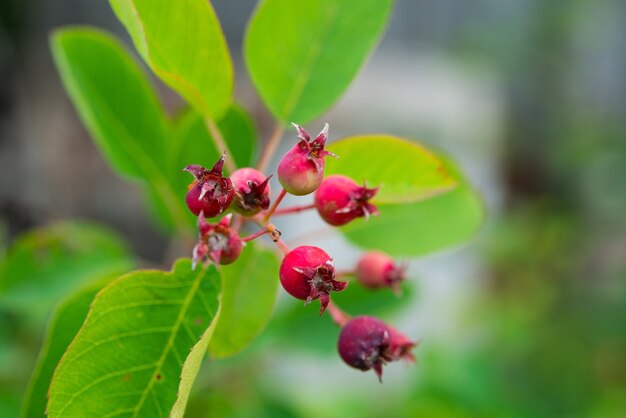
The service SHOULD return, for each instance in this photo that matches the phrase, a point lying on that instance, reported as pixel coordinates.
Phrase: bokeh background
(526, 320)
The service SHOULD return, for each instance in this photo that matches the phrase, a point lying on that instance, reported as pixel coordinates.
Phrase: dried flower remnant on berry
(218, 243)
(308, 273)
(210, 193)
(301, 169)
(252, 191)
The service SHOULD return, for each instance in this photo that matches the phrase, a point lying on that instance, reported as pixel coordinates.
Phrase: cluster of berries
(306, 272)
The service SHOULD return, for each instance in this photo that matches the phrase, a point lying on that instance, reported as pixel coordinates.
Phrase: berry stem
(293, 209)
(237, 222)
(271, 211)
(282, 246)
(220, 144)
(270, 146)
(255, 235)
(338, 316)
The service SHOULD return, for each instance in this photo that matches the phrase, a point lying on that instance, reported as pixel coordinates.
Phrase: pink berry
(218, 242)
(308, 273)
(252, 191)
(339, 200)
(210, 193)
(376, 269)
(301, 169)
(368, 343)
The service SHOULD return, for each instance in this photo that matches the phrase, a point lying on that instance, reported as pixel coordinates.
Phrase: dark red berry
(301, 169)
(376, 269)
(252, 191)
(368, 343)
(339, 200)
(210, 193)
(364, 344)
(217, 242)
(308, 273)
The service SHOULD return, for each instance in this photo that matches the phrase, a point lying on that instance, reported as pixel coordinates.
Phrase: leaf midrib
(170, 342)
(312, 57)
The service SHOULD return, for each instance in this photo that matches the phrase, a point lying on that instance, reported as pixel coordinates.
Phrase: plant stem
(339, 317)
(270, 146)
(220, 144)
(255, 235)
(293, 209)
(271, 211)
(282, 246)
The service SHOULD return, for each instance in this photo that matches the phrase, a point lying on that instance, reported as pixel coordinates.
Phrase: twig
(218, 139)
(270, 146)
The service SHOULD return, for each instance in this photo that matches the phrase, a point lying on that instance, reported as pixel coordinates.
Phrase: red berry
(218, 242)
(364, 343)
(368, 343)
(301, 169)
(210, 193)
(340, 199)
(308, 273)
(252, 191)
(376, 269)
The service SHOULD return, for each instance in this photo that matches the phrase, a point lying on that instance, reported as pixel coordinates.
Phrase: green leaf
(422, 227)
(113, 98)
(140, 347)
(45, 264)
(302, 54)
(250, 290)
(404, 170)
(63, 326)
(183, 44)
(119, 108)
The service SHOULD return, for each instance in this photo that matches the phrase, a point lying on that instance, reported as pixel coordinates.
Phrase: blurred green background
(526, 320)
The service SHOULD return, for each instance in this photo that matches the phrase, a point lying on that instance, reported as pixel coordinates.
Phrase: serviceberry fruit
(368, 343)
(217, 242)
(210, 193)
(339, 200)
(252, 191)
(376, 269)
(301, 169)
(307, 273)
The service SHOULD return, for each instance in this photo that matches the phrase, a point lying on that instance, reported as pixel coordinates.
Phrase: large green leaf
(67, 320)
(140, 347)
(250, 289)
(404, 170)
(113, 98)
(302, 54)
(418, 228)
(183, 44)
(45, 264)
(119, 108)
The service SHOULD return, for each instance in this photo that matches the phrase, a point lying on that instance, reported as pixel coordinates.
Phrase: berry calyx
(308, 273)
(376, 269)
(301, 169)
(339, 200)
(252, 191)
(218, 242)
(368, 343)
(210, 193)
